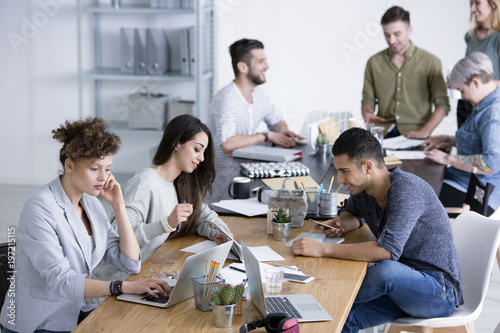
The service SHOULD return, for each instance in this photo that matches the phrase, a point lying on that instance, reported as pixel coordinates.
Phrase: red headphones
(274, 323)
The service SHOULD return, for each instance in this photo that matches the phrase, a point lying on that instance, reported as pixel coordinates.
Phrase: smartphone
(325, 225)
(298, 278)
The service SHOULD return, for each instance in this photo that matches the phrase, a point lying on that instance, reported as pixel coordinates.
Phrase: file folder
(158, 52)
(127, 51)
(192, 51)
(140, 52)
(184, 48)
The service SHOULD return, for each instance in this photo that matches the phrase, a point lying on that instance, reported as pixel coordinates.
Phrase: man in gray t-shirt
(416, 270)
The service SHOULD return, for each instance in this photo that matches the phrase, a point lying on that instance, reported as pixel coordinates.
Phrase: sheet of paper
(401, 142)
(277, 183)
(235, 277)
(263, 253)
(200, 247)
(407, 154)
(247, 207)
(321, 238)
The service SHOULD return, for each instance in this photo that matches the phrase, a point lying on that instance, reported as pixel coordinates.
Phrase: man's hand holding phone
(331, 228)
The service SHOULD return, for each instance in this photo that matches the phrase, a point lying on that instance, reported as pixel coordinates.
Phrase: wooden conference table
(335, 287)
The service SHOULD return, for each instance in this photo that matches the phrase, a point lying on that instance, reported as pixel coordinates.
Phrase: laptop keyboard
(161, 299)
(281, 304)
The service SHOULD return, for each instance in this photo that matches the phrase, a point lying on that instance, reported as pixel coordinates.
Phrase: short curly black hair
(87, 139)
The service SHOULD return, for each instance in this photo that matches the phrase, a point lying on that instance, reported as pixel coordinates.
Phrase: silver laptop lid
(194, 266)
(252, 268)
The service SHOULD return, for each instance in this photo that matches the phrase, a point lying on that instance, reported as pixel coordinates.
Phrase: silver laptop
(183, 290)
(304, 307)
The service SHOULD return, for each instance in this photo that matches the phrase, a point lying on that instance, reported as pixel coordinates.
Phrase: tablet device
(298, 278)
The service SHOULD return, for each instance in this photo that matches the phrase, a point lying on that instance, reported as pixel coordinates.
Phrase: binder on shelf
(158, 52)
(192, 51)
(271, 154)
(140, 52)
(187, 3)
(184, 48)
(127, 51)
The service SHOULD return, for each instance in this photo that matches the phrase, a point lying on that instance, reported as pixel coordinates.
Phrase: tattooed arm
(461, 162)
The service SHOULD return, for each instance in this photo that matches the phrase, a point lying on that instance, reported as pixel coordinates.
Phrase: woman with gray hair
(478, 139)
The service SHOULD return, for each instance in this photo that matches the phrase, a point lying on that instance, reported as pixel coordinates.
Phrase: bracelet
(266, 136)
(166, 226)
(115, 288)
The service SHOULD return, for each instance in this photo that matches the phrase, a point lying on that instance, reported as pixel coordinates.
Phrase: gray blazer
(54, 254)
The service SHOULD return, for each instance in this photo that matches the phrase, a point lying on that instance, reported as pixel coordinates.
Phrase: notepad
(273, 169)
(271, 154)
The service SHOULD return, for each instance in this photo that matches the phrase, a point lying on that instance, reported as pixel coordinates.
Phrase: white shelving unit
(103, 89)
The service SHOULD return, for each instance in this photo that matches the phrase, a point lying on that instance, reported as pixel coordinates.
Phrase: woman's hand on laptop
(147, 286)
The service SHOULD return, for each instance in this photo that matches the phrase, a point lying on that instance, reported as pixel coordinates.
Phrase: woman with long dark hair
(166, 201)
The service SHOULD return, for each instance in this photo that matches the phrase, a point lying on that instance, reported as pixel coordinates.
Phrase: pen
(289, 267)
(179, 226)
(331, 182)
(237, 269)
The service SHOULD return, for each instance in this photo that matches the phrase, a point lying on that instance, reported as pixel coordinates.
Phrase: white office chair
(477, 239)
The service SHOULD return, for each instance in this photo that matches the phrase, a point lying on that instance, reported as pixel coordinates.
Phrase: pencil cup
(312, 194)
(323, 152)
(203, 291)
(223, 315)
(328, 204)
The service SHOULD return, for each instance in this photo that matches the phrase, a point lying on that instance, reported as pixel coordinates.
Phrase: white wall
(317, 49)
(303, 41)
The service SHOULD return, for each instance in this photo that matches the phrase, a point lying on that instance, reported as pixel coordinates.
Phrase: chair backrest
(476, 239)
(341, 119)
(478, 195)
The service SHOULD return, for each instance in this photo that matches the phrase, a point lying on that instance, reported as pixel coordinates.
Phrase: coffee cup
(240, 187)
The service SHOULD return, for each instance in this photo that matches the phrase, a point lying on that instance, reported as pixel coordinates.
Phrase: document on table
(263, 253)
(235, 277)
(321, 238)
(401, 142)
(406, 154)
(247, 207)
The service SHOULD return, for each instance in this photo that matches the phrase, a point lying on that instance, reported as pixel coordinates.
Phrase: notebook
(304, 307)
(271, 154)
(183, 290)
(273, 169)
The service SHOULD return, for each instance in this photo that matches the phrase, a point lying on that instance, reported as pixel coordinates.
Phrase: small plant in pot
(282, 224)
(224, 303)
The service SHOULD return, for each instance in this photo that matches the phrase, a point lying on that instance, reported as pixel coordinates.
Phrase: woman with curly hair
(166, 201)
(63, 233)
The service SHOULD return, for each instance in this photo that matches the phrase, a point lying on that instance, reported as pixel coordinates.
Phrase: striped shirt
(233, 115)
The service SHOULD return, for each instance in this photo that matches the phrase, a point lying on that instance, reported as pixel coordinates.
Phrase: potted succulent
(282, 224)
(322, 146)
(224, 303)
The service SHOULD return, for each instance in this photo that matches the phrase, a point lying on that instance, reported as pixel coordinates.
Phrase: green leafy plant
(282, 217)
(322, 139)
(228, 295)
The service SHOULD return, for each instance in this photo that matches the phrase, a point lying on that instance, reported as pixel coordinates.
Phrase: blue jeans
(392, 290)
